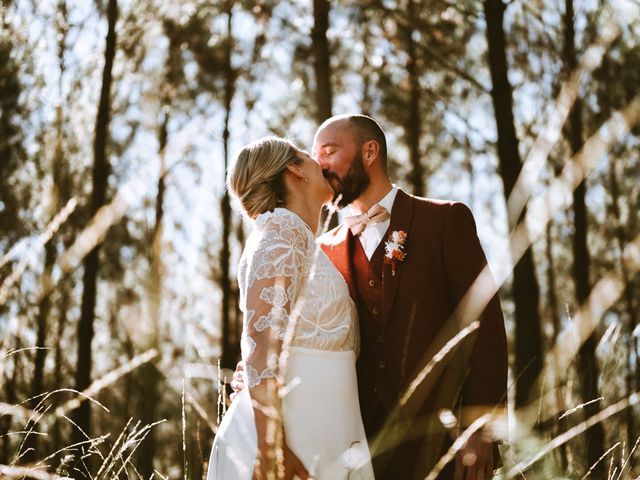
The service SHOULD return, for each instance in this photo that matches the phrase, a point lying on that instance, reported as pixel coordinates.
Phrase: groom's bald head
(363, 129)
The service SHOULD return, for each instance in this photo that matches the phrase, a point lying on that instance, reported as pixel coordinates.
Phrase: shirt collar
(389, 198)
(386, 202)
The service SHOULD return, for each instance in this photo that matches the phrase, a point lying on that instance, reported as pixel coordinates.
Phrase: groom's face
(338, 152)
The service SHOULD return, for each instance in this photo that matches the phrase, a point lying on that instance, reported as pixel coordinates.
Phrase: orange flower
(394, 248)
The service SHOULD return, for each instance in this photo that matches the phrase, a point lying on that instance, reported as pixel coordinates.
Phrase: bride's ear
(295, 170)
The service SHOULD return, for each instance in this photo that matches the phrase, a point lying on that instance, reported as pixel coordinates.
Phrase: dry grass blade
(7, 471)
(90, 442)
(40, 242)
(31, 423)
(600, 459)
(521, 466)
(104, 468)
(200, 410)
(15, 411)
(579, 407)
(108, 379)
(437, 358)
(627, 460)
(459, 443)
(184, 433)
(126, 444)
(9, 353)
(94, 232)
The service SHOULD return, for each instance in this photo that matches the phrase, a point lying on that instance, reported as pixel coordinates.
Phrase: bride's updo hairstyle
(256, 177)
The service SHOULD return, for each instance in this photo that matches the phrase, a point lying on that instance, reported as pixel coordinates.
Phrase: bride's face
(317, 185)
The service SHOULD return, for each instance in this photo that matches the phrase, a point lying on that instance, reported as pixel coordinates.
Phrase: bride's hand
(237, 383)
(292, 466)
(271, 435)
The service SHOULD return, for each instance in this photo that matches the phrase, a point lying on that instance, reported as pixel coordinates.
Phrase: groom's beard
(352, 185)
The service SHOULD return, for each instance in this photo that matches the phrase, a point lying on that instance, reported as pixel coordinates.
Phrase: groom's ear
(370, 152)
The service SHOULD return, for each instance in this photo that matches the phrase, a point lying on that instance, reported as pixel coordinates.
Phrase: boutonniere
(394, 249)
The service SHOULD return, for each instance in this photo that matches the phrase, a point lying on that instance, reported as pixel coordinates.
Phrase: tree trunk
(11, 398)
(322, 69)
(100, 174)
(321, 64)
(557, 427)
(413, 125)
(230, 348)
(629, 307)
(587, 365)
(365, 103)
(44, 308)
(59, 195)
(148, 372)
(552, 296)
(525, 285)
(468, 166)
(57, 366)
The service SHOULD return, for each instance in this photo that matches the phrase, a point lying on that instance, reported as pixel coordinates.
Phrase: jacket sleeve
(474, 293)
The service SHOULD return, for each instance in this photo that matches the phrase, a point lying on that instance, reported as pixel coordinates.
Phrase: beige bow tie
(357, 223)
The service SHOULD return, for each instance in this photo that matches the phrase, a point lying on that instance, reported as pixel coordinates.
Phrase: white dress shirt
(373, 233)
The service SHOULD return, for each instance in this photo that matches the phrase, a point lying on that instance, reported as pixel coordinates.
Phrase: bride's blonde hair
(256, 176)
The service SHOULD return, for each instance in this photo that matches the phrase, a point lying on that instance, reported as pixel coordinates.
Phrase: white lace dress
(290, 293)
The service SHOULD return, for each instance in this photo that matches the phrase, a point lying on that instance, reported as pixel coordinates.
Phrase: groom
(412, 298)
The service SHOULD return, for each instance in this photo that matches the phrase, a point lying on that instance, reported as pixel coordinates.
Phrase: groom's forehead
(333, 134)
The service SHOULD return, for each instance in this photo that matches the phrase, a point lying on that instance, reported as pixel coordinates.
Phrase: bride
(299, 416)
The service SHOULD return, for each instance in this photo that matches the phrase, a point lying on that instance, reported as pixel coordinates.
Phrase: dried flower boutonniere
(394, 248)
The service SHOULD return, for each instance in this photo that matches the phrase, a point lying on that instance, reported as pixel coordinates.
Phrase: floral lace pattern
(286, 281)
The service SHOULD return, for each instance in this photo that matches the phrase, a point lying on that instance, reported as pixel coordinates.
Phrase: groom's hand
(474, 461)
(237, 383)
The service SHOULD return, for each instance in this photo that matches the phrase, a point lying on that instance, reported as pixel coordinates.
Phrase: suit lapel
(338, 252)
(401, 216)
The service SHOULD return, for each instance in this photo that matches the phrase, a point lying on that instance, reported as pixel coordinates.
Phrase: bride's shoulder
(283, 224)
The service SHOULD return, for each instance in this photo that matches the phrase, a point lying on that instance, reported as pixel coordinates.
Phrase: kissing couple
(338, 378)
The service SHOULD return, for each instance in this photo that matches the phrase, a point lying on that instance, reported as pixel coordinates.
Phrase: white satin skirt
(321, 416)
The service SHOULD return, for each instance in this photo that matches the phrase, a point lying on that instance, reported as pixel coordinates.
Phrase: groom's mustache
(328, 174)
(336, 185)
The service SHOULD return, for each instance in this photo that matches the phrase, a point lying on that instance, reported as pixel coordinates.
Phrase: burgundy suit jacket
(423, 307)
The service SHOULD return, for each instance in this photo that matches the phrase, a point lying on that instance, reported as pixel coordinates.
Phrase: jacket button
(375, 310)
(380, 339)
(381, 364)
(372, 283)
(375, 389)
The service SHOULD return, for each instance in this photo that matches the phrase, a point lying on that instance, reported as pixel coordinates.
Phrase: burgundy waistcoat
(375, 381)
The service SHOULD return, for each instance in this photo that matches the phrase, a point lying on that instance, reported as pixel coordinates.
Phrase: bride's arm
(274, 279)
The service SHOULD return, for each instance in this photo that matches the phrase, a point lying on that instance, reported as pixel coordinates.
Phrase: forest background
(119, 243)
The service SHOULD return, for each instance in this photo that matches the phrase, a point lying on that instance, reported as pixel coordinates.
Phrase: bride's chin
(328, 200)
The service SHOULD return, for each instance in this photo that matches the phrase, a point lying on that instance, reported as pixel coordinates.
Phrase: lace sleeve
(274, 276)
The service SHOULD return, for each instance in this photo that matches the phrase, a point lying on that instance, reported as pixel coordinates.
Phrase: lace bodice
(287, 281)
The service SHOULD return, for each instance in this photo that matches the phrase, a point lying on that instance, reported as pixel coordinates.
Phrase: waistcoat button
(375, 310)
(380, 339)
(372, 283)
(381, 364)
